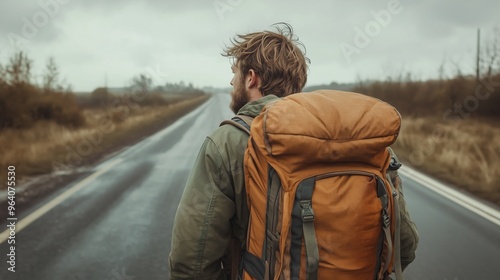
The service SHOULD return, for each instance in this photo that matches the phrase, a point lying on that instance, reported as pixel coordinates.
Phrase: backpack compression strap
(240, 121)
(304, 195)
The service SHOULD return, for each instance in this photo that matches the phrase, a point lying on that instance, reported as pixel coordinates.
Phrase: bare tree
(19, 69)
(143, 83)
(456, 84)
(51, 76)
(442, 72)
(2, 76)
(491, 54)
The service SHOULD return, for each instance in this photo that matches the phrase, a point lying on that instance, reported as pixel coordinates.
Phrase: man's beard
(239, 99)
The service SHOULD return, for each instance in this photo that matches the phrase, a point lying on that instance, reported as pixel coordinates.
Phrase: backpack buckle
(394, 164)
(307, 213)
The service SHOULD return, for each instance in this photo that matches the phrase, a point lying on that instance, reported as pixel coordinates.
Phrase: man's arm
(202, 228)
(409, 233)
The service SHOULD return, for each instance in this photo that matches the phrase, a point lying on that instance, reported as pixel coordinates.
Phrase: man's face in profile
(239, 96)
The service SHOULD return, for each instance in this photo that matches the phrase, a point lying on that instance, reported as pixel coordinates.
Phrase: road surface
(114, 222)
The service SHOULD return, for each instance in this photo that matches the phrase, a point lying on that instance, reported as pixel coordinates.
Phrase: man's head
(265, 63)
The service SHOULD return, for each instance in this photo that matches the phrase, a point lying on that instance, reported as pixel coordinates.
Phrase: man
(213, 208)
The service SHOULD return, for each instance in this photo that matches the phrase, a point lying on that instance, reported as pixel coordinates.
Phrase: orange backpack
(321, 205)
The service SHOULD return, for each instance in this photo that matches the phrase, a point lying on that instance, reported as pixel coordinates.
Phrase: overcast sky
(182, 40)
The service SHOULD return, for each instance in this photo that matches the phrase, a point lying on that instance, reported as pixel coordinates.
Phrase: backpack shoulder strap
(243, 123)
(240, 121)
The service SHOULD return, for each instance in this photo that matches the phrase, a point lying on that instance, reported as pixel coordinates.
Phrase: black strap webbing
(386, 221)
(303, 226)
(272, 213)
(253, 265)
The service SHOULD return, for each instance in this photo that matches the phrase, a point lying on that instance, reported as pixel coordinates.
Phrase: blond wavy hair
(278, 58)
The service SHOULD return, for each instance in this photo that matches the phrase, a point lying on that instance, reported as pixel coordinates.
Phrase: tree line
(452, 98)
(24, 101)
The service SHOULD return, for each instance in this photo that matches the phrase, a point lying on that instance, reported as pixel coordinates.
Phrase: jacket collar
(254, 107)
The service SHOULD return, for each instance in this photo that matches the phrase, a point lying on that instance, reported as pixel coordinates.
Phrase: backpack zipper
(350, 172)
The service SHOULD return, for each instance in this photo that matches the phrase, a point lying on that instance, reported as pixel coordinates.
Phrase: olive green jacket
(213, 207)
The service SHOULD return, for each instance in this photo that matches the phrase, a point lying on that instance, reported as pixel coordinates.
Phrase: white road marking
(105, 167)
(469, 203)
(57, 200)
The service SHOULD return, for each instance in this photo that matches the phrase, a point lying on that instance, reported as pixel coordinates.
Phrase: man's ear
(252, 85)
(252, 80)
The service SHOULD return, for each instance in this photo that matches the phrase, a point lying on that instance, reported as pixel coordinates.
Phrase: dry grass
(466, 153)
(33, 151)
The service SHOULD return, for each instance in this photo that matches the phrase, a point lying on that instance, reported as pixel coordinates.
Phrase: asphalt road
(116, 225)
(455, 243)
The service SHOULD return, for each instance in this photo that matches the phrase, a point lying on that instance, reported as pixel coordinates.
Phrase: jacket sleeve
(202, 227)
(409, 233)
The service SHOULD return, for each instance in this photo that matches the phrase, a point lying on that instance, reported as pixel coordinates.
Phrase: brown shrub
(22, 106)
(23, 103)
(434, 97)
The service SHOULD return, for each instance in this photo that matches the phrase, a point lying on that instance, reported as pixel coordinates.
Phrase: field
(51, 147)
(466, 154)
(450, 130)
(45, 128)
(450, 126)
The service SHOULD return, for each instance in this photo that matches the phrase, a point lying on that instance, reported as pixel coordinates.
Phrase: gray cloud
(91, 39)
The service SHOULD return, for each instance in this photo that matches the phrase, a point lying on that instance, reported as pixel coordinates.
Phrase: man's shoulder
(228, 138)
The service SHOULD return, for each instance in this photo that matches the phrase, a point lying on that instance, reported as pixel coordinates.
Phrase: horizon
(97, 43)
